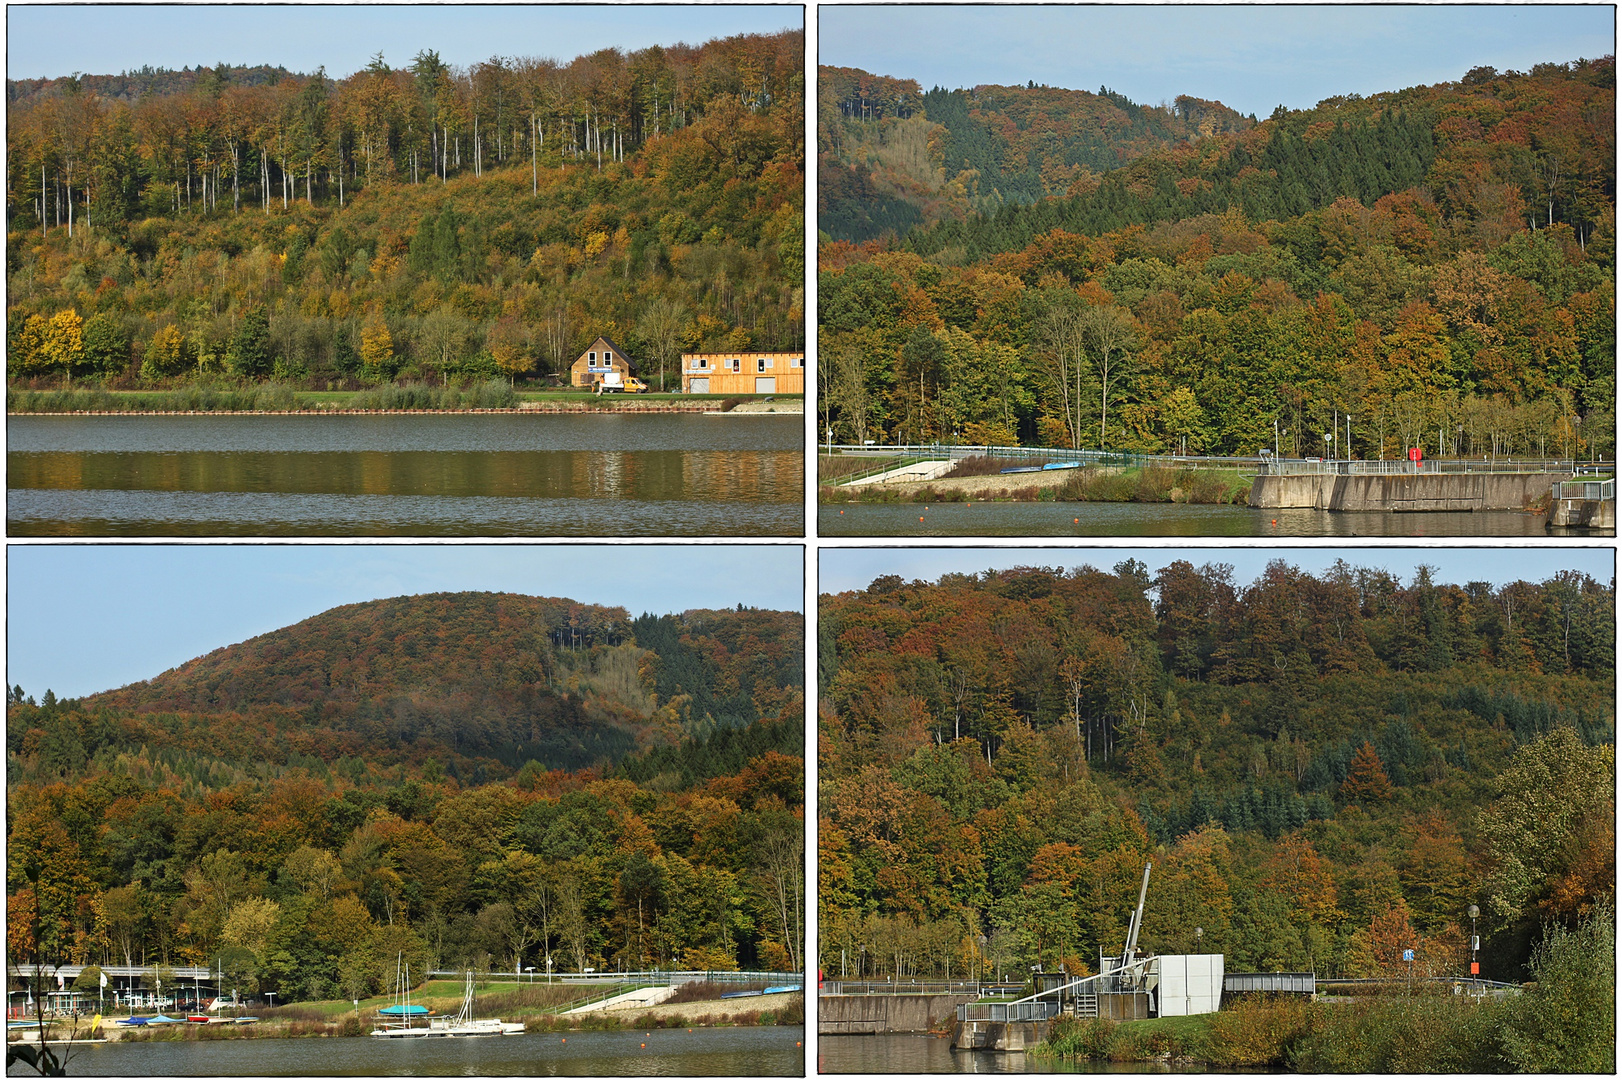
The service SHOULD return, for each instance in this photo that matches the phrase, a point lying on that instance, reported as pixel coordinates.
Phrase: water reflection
(170, 513)
(1154, 519)
(772, 1051)
(921, 1054)
(663, 475)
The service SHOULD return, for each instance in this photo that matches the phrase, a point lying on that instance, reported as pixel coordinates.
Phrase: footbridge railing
(1586, 490)
(1045, 1004)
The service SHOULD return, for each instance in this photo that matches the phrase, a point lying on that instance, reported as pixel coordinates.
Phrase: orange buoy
(1075, 521)
(920, 519)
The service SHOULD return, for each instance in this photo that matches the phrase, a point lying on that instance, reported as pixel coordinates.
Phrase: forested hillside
(425, 222)
(482, 682)
(306, 806)
(1324, 770)
(891, 157)
(1437, 264)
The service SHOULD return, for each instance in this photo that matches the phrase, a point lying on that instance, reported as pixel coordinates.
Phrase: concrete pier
(1014, 1035)
(1596, 514)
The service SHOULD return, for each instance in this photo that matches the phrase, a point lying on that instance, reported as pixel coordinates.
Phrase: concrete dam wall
(883, 1014)
(1409, 493)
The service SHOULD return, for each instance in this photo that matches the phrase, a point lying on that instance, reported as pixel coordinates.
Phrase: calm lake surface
(764, 1051)
(673, 474)
(929, 1054)
(1154, 519)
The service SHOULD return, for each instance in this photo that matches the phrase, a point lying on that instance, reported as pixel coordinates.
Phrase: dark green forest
(1325, 770)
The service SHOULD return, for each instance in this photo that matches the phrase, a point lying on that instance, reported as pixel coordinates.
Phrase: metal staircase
(1084, 1006)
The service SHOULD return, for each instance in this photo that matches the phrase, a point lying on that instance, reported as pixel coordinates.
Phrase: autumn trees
(1311, 762)
(304, 853)
(491, 221)
(1371, 262)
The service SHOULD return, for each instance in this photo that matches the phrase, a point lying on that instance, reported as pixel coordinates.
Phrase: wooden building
(743, 373)
(601, 357)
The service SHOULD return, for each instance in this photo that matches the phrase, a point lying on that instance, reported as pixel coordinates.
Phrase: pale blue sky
(88, 617)
(843, 569)
(1250, 57)
(49, 40)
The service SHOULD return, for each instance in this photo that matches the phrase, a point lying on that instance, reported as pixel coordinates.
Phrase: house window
(702, 363)
(762, 363)
(796, 361)
(737, 363)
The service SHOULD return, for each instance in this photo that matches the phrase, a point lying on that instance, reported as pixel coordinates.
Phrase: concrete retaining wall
(883, 1014)
(1583, 514)
(1414, 493)
(989, 1035)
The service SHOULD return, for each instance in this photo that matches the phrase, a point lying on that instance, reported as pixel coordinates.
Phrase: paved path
(635, 999)
(907, 474)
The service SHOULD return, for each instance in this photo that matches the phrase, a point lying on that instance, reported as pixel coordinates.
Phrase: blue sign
(1408, 955)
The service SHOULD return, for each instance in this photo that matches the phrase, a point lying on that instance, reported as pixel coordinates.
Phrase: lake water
(931, 1054)
(763, 1051)
(402, 475)
(1153, 519)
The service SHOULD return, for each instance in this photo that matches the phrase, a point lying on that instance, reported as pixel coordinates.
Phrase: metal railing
(1010, 1012)
(1264, 464)
(1586, 490)
(640, 978)
(1103, 458)
(1432, 467)
(873, 988)
(1325, 984)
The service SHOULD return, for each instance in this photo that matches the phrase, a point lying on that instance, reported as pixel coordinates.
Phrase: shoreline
(690, 1014)
(535, 407)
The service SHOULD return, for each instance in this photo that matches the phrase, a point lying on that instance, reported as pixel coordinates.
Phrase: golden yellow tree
(509, 348)
(168, 353)
(62, 345)
(376, 346)
(24, 357)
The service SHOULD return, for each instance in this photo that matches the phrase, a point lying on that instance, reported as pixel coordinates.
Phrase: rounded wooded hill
(484, 675)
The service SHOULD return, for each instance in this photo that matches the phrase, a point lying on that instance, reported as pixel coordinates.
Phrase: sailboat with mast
(399, 1017)
(464, 1026)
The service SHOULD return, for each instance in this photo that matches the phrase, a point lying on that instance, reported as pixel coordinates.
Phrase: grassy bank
(280, 397)
(1565, 1022)
(1155, 484)
(1151, 484)
(541, 1008)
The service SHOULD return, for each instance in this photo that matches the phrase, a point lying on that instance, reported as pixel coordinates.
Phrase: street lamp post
(1475, 944)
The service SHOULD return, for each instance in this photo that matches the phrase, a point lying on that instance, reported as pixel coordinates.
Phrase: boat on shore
(398, 1018)
(464, 1026)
